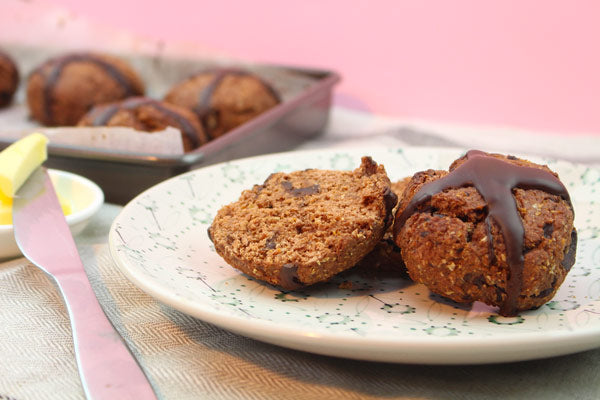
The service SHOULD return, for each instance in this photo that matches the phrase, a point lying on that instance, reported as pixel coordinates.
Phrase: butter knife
(106, 367)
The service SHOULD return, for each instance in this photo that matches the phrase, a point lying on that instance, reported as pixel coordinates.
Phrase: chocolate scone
(223, 98)
(494, 229)
(145, 114)
(386, 258)
(304, 227)
(62, 89)
(9, 79)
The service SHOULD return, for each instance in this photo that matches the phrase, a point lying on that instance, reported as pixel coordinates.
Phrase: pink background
(532, 64)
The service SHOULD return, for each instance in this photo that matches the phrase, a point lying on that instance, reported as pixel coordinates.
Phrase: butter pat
(19, 160)
(6, 208)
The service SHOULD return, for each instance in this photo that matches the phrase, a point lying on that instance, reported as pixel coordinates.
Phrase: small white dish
(84, 196)
(159, 241)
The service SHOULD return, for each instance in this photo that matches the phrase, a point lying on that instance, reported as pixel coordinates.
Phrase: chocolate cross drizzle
(494, 179)
(204, 108)
(104, 114)
(59, 64)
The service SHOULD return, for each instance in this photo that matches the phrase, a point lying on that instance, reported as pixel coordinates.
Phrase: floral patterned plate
(160, 242)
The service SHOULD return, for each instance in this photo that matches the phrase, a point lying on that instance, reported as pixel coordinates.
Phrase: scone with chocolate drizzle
(9, 79)
(304, 227)
(223, 98)
(149, 115)
(63, 88)
(494, 229)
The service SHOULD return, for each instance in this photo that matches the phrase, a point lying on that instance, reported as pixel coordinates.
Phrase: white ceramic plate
(84, 197)
(160, 242)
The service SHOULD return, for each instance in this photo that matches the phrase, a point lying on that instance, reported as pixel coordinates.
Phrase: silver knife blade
(107, 368)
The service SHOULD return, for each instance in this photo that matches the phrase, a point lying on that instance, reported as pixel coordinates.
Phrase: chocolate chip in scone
(271, 242)
(289, 276)
(301, 191)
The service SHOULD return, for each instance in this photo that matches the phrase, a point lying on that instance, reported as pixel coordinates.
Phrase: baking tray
(302, 114)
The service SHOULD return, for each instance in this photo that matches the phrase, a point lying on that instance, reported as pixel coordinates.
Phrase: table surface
(187, 358)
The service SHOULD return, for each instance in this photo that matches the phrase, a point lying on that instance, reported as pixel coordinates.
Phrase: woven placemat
(187, 358)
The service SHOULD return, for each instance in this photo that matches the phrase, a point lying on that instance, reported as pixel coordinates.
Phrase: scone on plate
(494, 229)
(304, 227)
(386, 257)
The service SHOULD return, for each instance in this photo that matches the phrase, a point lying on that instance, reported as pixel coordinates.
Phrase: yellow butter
(19, 160)
(6, 208)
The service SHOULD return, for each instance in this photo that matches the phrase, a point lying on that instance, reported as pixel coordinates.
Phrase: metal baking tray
(302, 114)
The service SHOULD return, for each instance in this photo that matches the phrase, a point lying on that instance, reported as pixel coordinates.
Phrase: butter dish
(83, 196)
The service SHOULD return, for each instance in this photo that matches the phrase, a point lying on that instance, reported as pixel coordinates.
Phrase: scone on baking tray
(63, 88)
(148, 115)
(223, 98)
(9, 79)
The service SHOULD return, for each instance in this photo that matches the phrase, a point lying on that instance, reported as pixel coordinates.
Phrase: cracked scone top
(304, 227)
(494, 229)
